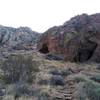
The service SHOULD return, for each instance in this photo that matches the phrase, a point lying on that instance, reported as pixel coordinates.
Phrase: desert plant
(80, 78)
(96, 78)
(92, 90)
(19, 67)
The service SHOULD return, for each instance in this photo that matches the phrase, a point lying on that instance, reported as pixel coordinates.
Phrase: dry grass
(80, 74)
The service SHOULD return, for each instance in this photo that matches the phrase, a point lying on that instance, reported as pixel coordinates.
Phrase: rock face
(76, 40)
(17, 38)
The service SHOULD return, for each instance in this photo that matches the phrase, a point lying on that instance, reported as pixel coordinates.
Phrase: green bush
(92, 90)
(19, 68)
(79, 79)
(96, 77)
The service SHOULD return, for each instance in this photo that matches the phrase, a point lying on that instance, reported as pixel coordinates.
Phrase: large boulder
(76, 40)
(57, 80)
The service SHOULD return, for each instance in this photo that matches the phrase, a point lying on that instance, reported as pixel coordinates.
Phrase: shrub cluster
(19, 68)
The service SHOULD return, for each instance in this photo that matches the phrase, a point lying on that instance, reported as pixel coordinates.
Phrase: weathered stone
(76, 40)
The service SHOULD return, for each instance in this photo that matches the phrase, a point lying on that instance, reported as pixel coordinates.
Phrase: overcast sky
(43, 14)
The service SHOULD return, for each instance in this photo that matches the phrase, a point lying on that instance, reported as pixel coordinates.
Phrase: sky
(43, 14)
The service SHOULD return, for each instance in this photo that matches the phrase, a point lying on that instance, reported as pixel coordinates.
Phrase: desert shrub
(96, 77)
(21, 89)
(43, 96)
(65, 72)
(19, 68)
(88, 90)
(92, 90)
(80, 93)
(79, 79)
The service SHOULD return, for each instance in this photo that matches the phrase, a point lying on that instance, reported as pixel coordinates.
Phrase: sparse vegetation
(80, 79)
(19, 68)
(88, 90)
(96, 78)
(52, 78)
(92, 90)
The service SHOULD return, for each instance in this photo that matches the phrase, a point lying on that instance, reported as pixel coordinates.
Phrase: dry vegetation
(30, 76)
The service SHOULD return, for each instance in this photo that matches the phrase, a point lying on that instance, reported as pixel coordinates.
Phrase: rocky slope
(17, 38)
(30, 76)
(76, 40)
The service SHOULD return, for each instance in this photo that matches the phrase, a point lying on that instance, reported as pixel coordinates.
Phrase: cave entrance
(44, 49)
(85, 52)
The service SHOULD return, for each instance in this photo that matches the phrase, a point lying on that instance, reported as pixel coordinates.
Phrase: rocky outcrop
(17, 38)
(76, 40)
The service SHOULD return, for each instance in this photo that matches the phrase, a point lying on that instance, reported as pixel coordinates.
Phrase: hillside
(63, 63)
(31, 76)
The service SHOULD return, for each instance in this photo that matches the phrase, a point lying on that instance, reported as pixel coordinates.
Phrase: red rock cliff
(76, 40)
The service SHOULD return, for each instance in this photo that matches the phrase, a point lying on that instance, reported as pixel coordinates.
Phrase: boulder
(53, 57)
(57, 80)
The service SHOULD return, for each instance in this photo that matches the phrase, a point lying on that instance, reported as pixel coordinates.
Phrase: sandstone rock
(76, 40)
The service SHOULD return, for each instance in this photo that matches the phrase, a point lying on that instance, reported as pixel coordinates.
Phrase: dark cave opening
(86, 52)
(44, 49)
